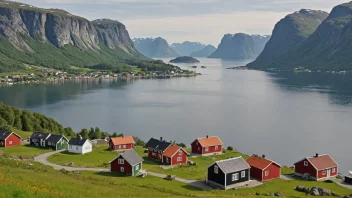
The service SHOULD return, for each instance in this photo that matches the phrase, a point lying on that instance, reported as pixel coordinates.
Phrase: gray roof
(233, 165)
(39, 135)
(131, 157)
(157, 144)
(55, 138)
(77, 141)
(4, 135)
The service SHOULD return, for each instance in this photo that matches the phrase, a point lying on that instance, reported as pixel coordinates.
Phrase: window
(266, 173)
(122, 169)
(333, 170)
(76, 147)
(179, 159)
(243, 174)
(180, 152)
(124, 146)
(216, 169)
(324, 172)
(216, 147)
(167, 160)
(235, 177)
(206, 149)
(121, 161)
(196, 143)
(49, 143)
(70, 146)
(305, 163)
(119, 146)
(137, 167)
(198, 148)
(10, 142)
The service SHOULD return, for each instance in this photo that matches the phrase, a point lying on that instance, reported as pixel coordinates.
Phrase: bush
(230, 148)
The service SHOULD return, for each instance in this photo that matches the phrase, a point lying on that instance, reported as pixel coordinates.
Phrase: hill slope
(205, 52)
(288, 33)
(58, 39)
(154, 48)
(187, 48)
(240, 46)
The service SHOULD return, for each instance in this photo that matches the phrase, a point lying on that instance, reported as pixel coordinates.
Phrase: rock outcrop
(205, 52)
(184, 59)
(154, 48)
(240, 46)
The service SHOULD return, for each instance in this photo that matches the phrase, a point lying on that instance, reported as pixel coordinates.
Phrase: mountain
(288, 33)
(58, 39)
(154, 48)
(205, 52)
(328, 48)
(187, 48)
(240, 46)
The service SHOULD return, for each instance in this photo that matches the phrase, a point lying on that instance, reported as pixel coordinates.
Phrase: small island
(184, 59)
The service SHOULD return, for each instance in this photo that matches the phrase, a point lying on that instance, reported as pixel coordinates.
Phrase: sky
(204, 21)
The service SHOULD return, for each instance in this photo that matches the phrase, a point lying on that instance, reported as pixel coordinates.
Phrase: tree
(183, 145)
(84, 133)
(7, 114)
(69, 132)
(98, 134)
(138, 141)
(91, 133)
(114, 134)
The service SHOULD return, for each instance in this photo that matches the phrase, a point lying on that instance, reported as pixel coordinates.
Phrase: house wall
(116, 167)
(13, 140)
(256, 173)
(116, 147)
(217, 178)
(274, 172)
(85, 148)
(196, 147)
(157, 154)
(322, 176)
(244, 179)
(137, 168)
(211, 149)
(302, 170)
(184, 158)
(2, 143)
(62, 144)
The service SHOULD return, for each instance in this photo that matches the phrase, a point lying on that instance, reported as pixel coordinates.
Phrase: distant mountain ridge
(187, 48)
(288, 33)
(240, 46)
(154, 47)
(205, 52)
(56, 38)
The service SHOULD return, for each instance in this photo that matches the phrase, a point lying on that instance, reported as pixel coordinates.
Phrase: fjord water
(286, 116)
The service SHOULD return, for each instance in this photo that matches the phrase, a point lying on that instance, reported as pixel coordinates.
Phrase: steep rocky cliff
(40, 33)
(154, 48)
(240, 46)
(288, 33)
(328, 48)
(205, 52)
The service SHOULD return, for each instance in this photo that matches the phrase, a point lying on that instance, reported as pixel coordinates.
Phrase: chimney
(207, 136)
(263, 156)
(317, 155)
(161, 139)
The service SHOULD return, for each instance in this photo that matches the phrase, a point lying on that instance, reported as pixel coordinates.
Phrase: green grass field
(25, 151)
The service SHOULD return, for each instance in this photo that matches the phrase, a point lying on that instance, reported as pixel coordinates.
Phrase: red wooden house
(319, 167)
(128, 163)
(121, 143)
(165, 152)
(207, 145)
(264, 169)
(8, 139)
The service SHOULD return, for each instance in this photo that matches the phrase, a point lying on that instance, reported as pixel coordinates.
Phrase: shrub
(230, 148)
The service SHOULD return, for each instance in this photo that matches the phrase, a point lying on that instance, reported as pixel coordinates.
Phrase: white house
(80, 145)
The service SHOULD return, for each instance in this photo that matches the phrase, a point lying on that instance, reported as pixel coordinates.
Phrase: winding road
(43, 159)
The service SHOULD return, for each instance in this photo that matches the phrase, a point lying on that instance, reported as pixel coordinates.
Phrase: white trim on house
(179, 150)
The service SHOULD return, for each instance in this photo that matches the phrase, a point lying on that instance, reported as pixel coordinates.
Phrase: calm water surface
(284, 115)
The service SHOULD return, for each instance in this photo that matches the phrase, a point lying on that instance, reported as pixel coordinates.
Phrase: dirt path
(43, 159)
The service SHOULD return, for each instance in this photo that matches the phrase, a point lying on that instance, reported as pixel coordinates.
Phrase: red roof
(209, 141)
(122, 140)
(322, 162)
(171, 150)
(259, 162)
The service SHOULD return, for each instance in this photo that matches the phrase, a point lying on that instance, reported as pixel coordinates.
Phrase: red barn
(207, 145)
(127, 163)
(9, 139)
(165, 152)
(264, 169)
(121, 143)
(175, 155)
(319, 167)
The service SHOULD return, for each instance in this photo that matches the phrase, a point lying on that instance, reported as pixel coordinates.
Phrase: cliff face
(154, 48)
(288, 33)
(205, 52)
(187, 48)
(29, 29)
(240, 46)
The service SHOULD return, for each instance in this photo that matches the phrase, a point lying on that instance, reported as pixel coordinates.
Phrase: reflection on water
(284, 115)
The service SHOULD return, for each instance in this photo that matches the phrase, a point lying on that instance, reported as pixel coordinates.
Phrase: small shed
(348, 178)
(56, 142)
(80, 145)
(8, 139)
(128, 163)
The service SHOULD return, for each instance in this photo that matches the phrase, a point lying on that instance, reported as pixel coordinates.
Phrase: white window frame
(216, 147)
(77, 148)
(198, 148)
(167, 160)
(305, 163)
(137, 167)
(235, 177)
(119, 146)
(216, 169)
(206, 149)
(124, 146)
(333, 170)
(243, 174)
(266, 173)
(10, 142)
(122, 169)
(196, 143)
(121, 161)
(179, 159)
(180, 152)
(324, 172)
